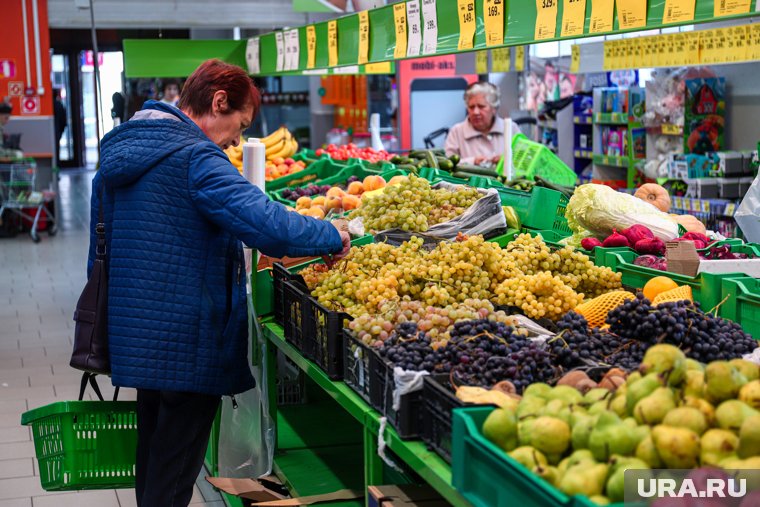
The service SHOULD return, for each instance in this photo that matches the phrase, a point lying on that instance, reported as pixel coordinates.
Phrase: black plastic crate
(291, 386)
(438, 402)
(356, 364)
(323, 337)
(280, 275)
(407, 419)
(295, 302)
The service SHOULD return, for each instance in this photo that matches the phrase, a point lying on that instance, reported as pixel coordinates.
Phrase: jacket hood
(151, 135)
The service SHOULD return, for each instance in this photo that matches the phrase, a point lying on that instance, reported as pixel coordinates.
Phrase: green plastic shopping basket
(531, 159)
(85, 444)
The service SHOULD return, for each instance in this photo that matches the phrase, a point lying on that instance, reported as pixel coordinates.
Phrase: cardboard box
(404, 496)
(730, 163)
(702, 188)
(683, 259)
(729, 188)
(268, 492)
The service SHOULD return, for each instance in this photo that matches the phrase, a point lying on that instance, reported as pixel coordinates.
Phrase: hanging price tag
(363, 56)
(494, 20)
(607, 65)
(753, 41)
(575, 59)
(679, 49)
(602, 15)
(332, 43)
(430, 29)
(501, 60)
(678, 11)
(646, 51)
(731, 7)
(632, 14)
(740, 43)
(661, 45)
(671, 130)
(692, 56)
(520, 58)
(252, 56)
(280, 42)
(295, 49)
(378, 68)
(311, 47)
(399, 20)
(415, 28)
(573, 18)
(481, 61)
(546, 19)
(721, 46)
(466, 10)
(705, 46)
(730, 209)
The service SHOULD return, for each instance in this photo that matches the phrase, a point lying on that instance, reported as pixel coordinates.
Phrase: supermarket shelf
(611, 161)
(583, 120)
(611, 118)
(426, 464)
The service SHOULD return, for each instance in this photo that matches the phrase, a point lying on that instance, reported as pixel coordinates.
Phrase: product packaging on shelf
(404, 496)
(683, 259)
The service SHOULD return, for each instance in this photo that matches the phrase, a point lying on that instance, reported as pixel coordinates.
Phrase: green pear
(622, 389)
(582, 431)
(550, 435)
(731, 462)
(616, 483)
(693, 364)
(647, 452)
(749, 437)
(554, 408)
(596, 394)
(678, 447)
(633, 377)
(500, 427)
(600, 500)
(619, 406)
(722, 381)
(653, 409)
(694, 383)
(530, 407)
(750, 394)
(577, 414)
(599, 407)
(554, 459)
(580, 456)
(703, 406)
(562, 468)
(568, 394)
(666, 360)
(528, 457)
(525, 431)
(686, 417)
(609, 437)
(640, 390)
(730, 415)
(748, 472)
(639, 433)
(547, 473)
(717, 445)
(584, 480)
(630, 422)
(538, 390)
(750, 370)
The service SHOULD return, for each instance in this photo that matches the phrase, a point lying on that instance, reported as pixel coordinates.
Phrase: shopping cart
(18, 196)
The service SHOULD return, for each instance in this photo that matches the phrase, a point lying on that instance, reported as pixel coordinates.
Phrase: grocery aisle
(39, 286)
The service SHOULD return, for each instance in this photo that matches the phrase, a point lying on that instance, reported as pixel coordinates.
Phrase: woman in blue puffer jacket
(176, 212)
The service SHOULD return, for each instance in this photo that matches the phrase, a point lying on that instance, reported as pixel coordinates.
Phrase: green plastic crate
(435, 175)
(705, 287)
(551, 238)
(308, 156)
(541, 209)
(484, 182)
(486, 476)
(85, 444)
(530, 159)
(506, 238)
(319, 170)
(742, 303)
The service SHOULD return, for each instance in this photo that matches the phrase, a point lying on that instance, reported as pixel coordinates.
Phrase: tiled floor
(39, 286)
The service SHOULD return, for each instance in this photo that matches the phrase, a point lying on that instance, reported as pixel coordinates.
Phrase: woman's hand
(345, 238)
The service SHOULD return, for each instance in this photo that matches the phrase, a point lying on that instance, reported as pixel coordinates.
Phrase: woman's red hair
(212, 76)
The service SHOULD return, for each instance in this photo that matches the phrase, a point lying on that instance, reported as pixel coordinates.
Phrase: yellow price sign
(731, 7)
(706, 46)
(632, 13)
(721, 46)
(679, 49)
(378, 68)
(363, 56)
(466, 9)
(494, 20)
(501, 60)
(520, 58)
(311, 47)
(481, 61)
(546, 19)
(741, 36)
(332, 43)
(399, 20)
(692, 56)
(671, 130)
(602, 15)
(575, 59)
(573, 18)
(608, 55)
(754, 41)
(678, 11)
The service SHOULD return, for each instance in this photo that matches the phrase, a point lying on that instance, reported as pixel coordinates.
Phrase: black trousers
(172, 436)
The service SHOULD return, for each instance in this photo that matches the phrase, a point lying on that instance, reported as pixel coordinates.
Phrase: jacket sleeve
(451, 146)
(225, 198)
(94, 200)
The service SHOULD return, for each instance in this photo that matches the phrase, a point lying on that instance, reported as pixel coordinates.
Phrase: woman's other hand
(345, 238)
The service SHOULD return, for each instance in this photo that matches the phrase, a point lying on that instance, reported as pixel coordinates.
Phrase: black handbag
(91, 315)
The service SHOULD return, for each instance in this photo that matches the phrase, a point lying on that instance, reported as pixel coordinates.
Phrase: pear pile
(672, 413)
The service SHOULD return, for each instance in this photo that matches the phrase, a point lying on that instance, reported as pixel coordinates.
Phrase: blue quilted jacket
(176, 212)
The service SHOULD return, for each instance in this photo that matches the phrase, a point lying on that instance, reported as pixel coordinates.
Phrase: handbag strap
(88, 377)
(100, 228)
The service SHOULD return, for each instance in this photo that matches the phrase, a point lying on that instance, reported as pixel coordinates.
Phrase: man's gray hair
(490, 91)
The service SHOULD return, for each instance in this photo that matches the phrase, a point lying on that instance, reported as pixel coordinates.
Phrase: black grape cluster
(577, 345)
(700, 335)
(292, 194)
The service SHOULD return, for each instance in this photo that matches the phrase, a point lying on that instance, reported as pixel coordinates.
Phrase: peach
(278, 160)
(289, 161)
(303, 211)
(318, 200)
(398, 179)
(303, 202)
(373, 182)
(315, 213)
(334, 203)
(335, 192)
(355, 188)
(351, 202)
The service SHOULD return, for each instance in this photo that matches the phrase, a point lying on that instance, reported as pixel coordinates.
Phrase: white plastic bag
(748, 215)
(246, 433)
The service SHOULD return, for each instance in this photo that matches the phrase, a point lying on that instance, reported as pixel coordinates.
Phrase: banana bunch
(235, 154)
(280, 144)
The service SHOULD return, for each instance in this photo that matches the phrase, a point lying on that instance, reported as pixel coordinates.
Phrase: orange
(657, 286)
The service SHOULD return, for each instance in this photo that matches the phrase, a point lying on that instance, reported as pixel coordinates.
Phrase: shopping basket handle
(87, 376)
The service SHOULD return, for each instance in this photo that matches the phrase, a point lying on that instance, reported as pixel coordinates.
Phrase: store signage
(30, 105)
(546, 19)
(494, 21)
(280, 42)
(415, 28)
(481, 61)
(573, 18)
(399, 21)
(15, 88)
(7, 68)
(430, 29)
(602, 14)
(632, 14)
(520, 58)
(363, 56)
(731, 7)
(332, 43)
(311, 47)
(252, 56)
(501, 60)
(575, 59)
(466, 9)
(292, 49)
(678, 11)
